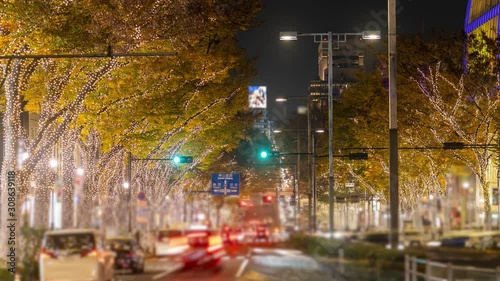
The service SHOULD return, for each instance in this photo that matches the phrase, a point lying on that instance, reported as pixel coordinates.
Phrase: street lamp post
(314, 190)
(311, 174)
(318, 38)
(128, 184)
(53, 164)
(284, 99)
(393, 128)
(296, 194)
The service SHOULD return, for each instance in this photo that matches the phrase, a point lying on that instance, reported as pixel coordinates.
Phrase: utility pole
(129, 195)
(393, 129)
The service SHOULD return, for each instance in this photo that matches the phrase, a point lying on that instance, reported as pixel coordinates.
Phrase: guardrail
(438, 271)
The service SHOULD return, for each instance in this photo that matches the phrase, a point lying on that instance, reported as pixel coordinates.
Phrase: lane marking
(242, 268)
(167, 272)
(160, 275)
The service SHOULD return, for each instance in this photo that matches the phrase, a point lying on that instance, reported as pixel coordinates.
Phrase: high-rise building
(483, 15)
(349, 56)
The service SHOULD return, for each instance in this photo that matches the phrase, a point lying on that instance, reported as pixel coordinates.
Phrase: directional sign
(225, 184)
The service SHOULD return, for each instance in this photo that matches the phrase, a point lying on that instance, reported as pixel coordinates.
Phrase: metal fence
(417, 269)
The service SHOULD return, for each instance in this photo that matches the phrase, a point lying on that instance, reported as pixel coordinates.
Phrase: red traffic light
(267, 199)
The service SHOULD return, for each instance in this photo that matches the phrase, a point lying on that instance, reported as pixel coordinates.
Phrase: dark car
(129, 255)
(262, 233)
(232, 236)
(206, 249)
(226, 235)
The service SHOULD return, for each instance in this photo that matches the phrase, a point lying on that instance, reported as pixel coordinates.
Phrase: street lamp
(314, 189)
(465, 209)
(78, 189)
(311, 177)
(53, 165)
(308, 99)
(339, 38)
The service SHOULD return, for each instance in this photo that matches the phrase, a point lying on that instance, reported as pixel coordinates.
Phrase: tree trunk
(486, 195)
(11, 127)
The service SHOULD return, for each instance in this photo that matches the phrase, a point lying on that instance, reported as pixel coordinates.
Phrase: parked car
(232, 236)
(206, 249)
(171, 242)
(480, 240)
(129, 255)
(344, 235)
(413, 238)
(407, 238)
(71, 253)
(376, 237)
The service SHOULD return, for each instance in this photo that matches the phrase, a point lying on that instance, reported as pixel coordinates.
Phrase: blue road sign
(141, 196)
(225, 184)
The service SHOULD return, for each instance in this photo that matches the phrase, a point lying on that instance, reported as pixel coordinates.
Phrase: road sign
(141, 204)
(59, 190)
(349, 184)
(141, 195)
(225, 184)
(142, 215)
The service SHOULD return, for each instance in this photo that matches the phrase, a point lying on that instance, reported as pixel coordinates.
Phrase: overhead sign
(142, 212)
(225, 184)
(257, 96)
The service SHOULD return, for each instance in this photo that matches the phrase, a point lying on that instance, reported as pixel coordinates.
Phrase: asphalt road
(256, 262)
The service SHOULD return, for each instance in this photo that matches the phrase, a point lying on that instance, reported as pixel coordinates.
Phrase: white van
(75, 254)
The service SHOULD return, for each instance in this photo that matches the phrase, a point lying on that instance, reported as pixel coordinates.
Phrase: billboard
(257, 96)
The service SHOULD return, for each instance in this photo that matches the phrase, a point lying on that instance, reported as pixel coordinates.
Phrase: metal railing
(438, 271)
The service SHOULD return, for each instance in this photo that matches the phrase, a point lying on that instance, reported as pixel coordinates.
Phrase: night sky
(287, 67)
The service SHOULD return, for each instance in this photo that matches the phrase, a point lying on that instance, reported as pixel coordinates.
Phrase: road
(264, 262)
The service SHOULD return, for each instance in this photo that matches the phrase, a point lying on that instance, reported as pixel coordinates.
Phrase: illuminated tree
(164, 100)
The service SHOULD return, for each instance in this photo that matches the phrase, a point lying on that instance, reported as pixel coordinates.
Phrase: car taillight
(214, 248)
(47, 253)
(90, 252)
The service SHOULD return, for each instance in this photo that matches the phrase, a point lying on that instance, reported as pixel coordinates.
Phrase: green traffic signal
(264, 154)
(182, 159)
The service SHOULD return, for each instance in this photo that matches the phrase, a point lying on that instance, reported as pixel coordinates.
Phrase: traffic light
(267, 199)
(183, 159)
(453, 145)
(264, 154)
(358, 156)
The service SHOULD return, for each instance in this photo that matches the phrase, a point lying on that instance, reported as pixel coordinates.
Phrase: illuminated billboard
(257, 96)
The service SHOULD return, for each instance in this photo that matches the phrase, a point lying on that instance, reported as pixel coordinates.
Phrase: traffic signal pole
(129, 196)
(177, 159)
